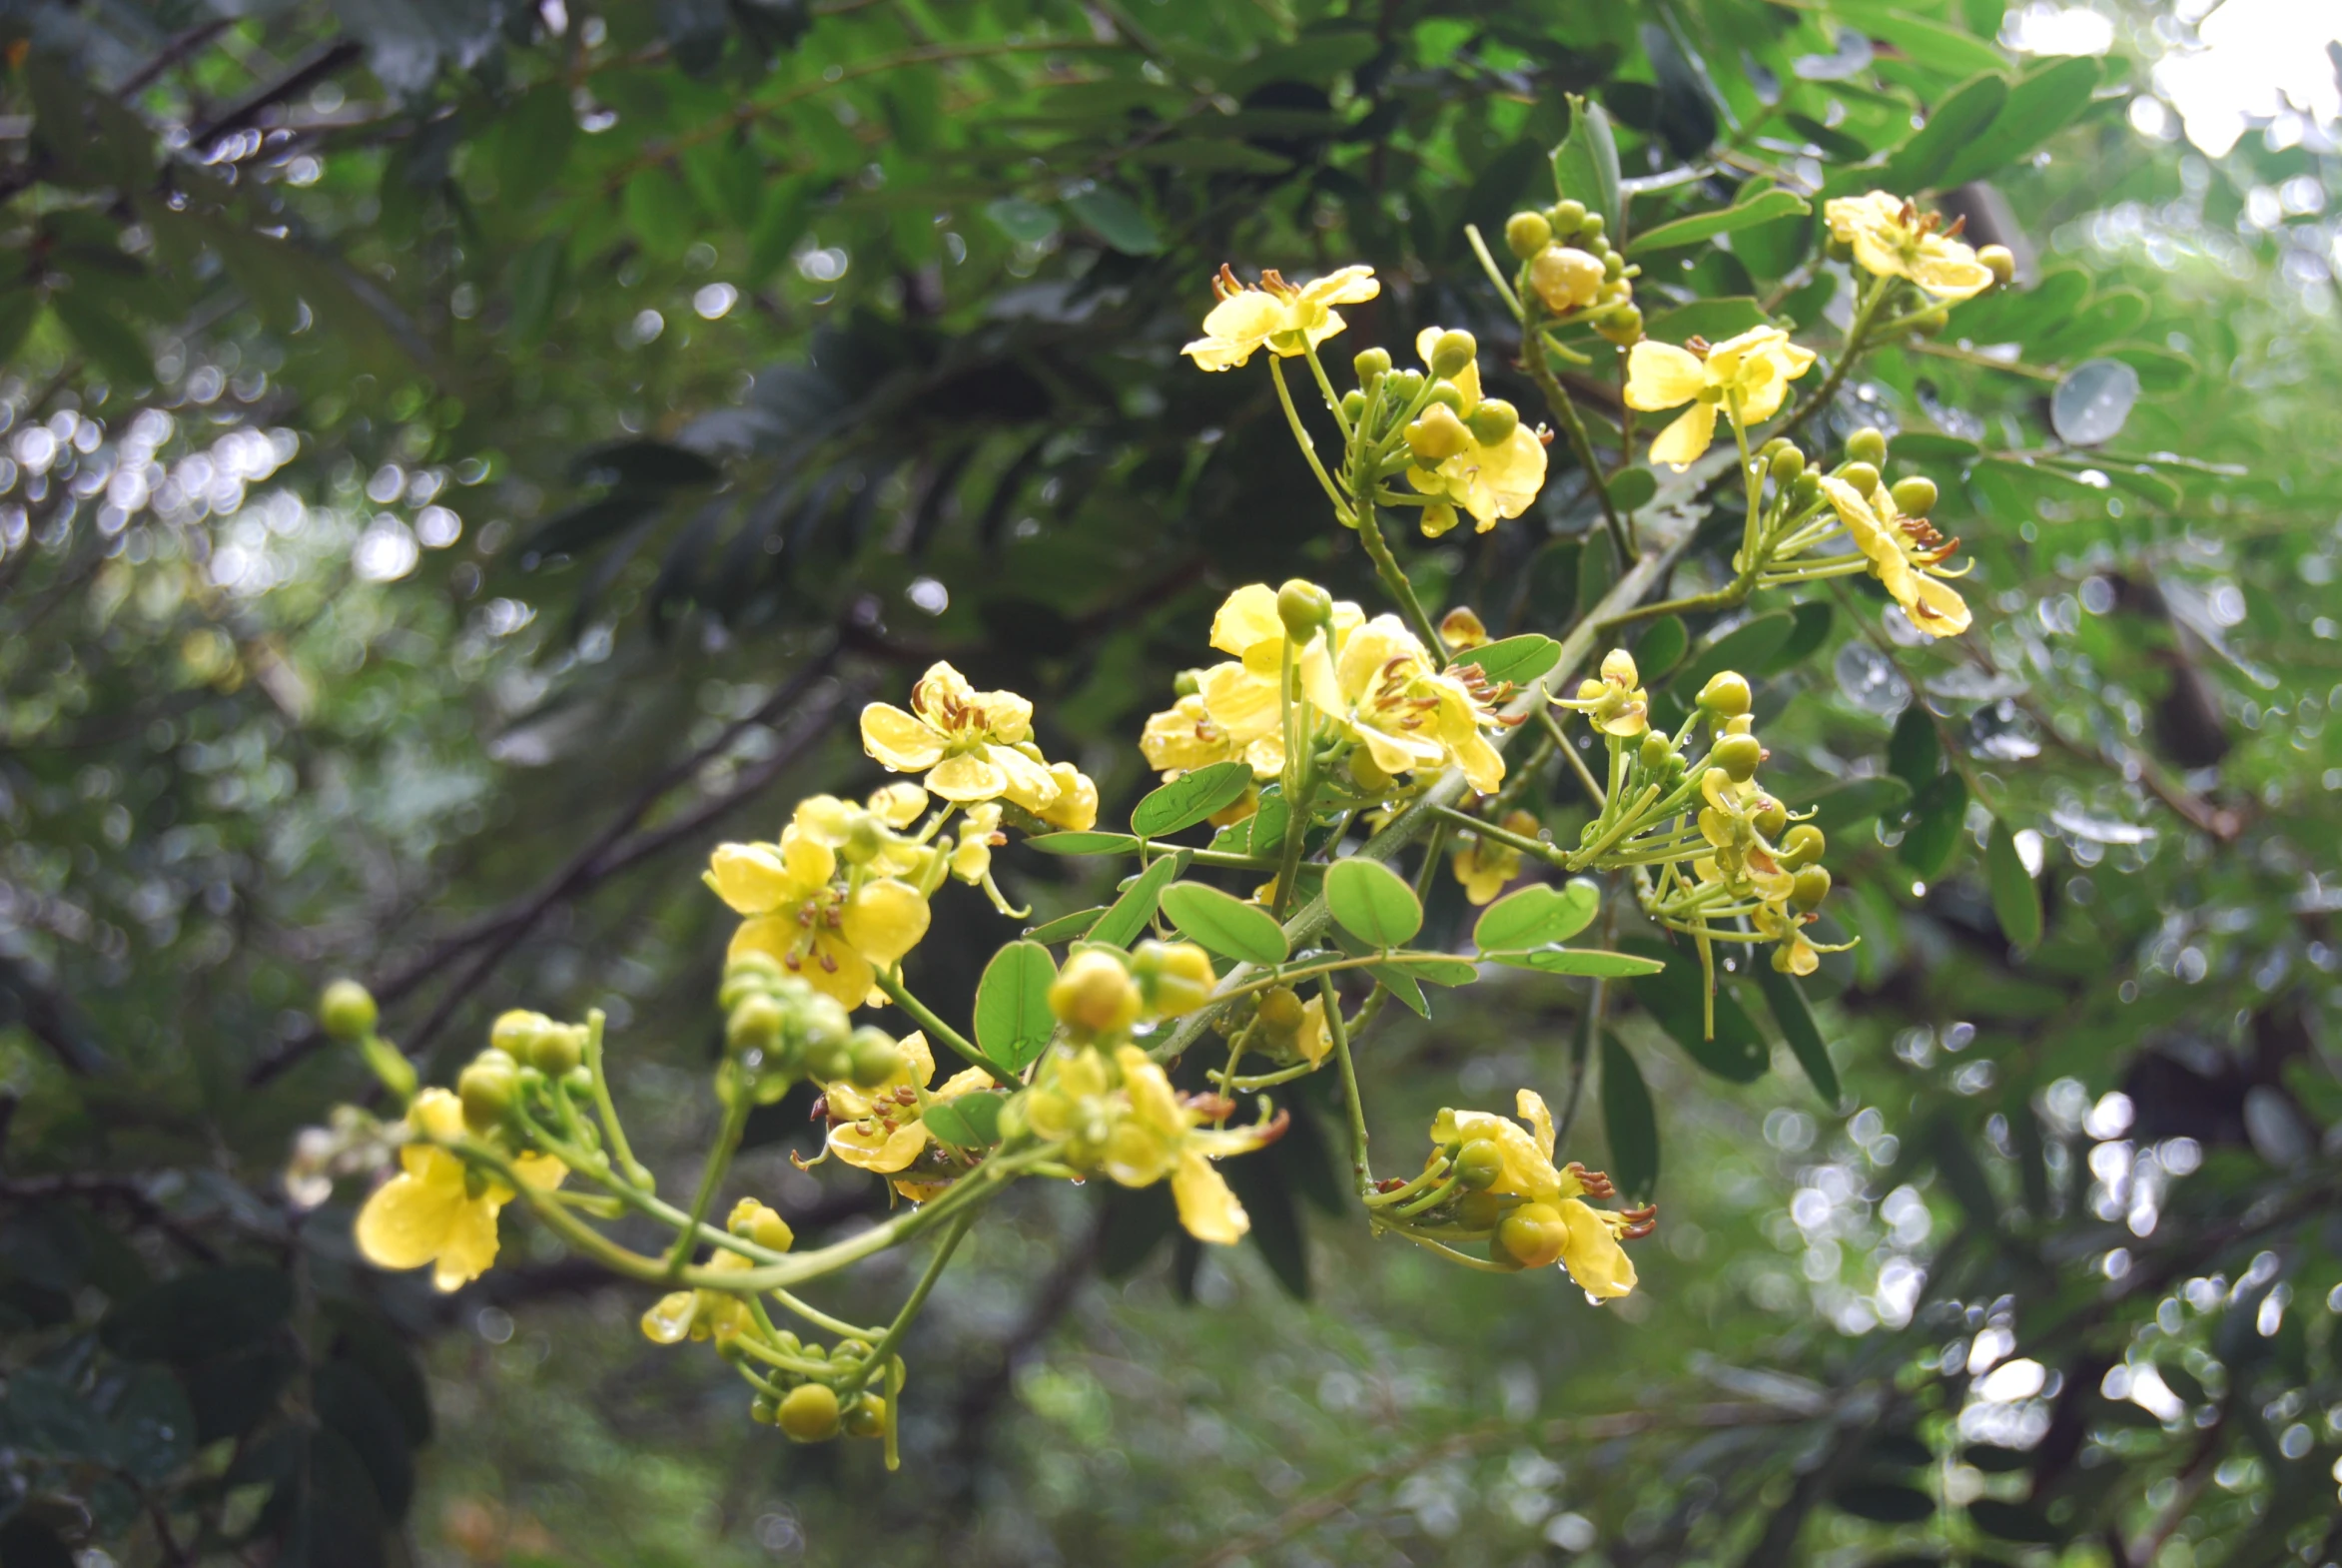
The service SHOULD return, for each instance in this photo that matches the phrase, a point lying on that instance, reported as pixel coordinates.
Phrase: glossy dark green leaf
(1013, 1020)
(1629, 1122)
(1787, 1001)
(1763, 208)
(1633, 490)
(1664, 643)
(2017, 898)
(1537, 915)
(1920, 164)
(1517, 659)
(1438, 969)
(1083, 843)
(1885, 1502)
(1914, 752)
(1130, 915)
(1749, 649)
(1676, 998)
(1935, 820)
(1585, 165)
(1224, 923)
(1190, 798)
(1596, 962)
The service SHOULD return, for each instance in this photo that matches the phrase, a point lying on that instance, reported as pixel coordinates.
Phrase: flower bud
(1565, 276)
(1805, 489)
(1174, 976)
(558, 1050)
(1613, 265)
(1771, 818)
(1618, 668)
(1370, 364)
(810, 1413)
(1525, 233)
(1437, 436)
(1438, 519)
(754, 1024)
(1479, 1211)
(1188, 684)
(1533, 1236)
(1802, 846)
(1915, 496)
(1095, 993)
(1738, 756)
(1568, 216)
(754, 1221)
(872, 1057)
(2001, 262)
(346, 1010)
(868, 1418)
(749, 972)
(764, 1410)
(1740, 724)
(1868, 445)
(1787, 465)
(1462, 630)
(1623, 326)
(1282, 1011)
(1931, 323)
(1493, 421)
(1726, 695)
(1811, 887)
(1405, 387)
(1862, 477)
(1655, 749)
(1306, 608)
(487, 1087)
(1479, 1164)
(515, 1033)
(1455, 350)
(1354, 405)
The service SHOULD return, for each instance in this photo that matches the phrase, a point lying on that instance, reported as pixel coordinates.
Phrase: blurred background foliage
(461, 461)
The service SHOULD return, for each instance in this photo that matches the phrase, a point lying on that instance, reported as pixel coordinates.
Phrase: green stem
(1566, 410)
(1857, 331)
(1504, 291)
(1339, 1033)
(608, 1109)
(881, 1353)
(1551, 854)
(1292, 416)
(1455, 1257)
(899, 995)
(1561, 743)
(1395, 583)
(1332, 403)
(711, 1177)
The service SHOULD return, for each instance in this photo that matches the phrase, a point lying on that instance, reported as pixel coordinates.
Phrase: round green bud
(1868, 445)
(810, 1413)
(1932, 323)
(1455, 350)
(1282, 1011)
(1306, 608)
(2001, 262)
(1437, 436)
(557, 1051)
(1738, 756)
(1405, 387)
(487, 1087)
(1811, 887)
(346, 1010)
(1802, 846)
(1568, 216)
(1613, 265)
(1862, 477)
(868, 1418)
(1188, 684)
(822, 1020)
(829, 1060)
(1533, 1236)
(764, 1410)
(1623, 325)
(1655, 750)
(1740, 724)
(1479, 1211)
(1095, 993)
(754, 1024)
(1787, 465)
(1915, 496)
(747, 973)
(1354, 405)
(515, 1033)
(874, 1057)
(1371, 364)
(1771, 818)
(1591, 228)
(579, 1079)
(1448, 395)
(1525, 233)
(1726, 695)
(1479, 1165)
(1805, 489)
(1494, 421)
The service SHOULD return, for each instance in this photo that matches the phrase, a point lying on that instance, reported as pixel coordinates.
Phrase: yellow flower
(1744, 860)
(1892, 239)
(1485, 867)
(879, 1129)
(1592, 1253)
(1182, 739)
(700, 1315)
(1492, 479)
(1907, 554)
(830, 935)
(1075, 808)
(1616, 703)
(428, 1212)
(1275, 314)
(966, 741)
(898, 804)
(1240, 708)
(1410, 715)
(1753, 370)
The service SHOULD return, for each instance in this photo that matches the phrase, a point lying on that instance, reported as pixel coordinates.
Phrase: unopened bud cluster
(1569, 265)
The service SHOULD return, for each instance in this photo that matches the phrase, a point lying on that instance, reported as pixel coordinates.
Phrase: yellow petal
(1530, 1107)
(1683, 442)
(1661, 375)
(1354, 285)
(899, 741)
(751, 878)
(834, 967)
(1248, 619)
(1075, 808)
(1528, 1170)
(408, 1220)
(1369, 649)
(940, 694)
(669, 1320)
(1207, 1207)
(1182, 739)
(1024, 781)
(471, 1248)
(885, 920)
(967, 777)
(897, 805)
(1952, 275)
(1592, 1254)
(436, 1113)
(1244, 705)
(1935, 608)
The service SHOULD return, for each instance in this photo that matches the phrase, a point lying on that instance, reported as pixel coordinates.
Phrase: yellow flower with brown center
(1745, 860)
(1275, 315)
(1746, 376)
(1907, 556)
(1238, 707)
(836, 937)
(1615, 703)
(431, 1212)
(1497, 464)
(1182, 739)
(1411, 716)
(1891, 237)
(969, 745)
(879, 1129)
(1590, 1249)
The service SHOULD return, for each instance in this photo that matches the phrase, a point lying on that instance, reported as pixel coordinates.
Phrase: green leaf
(1935, 818)
(1372, 902)
(1941, 49)
(1762, 208)
(20, 308)
(1026, 222)
(1934, 447)
(1596, 962)
(2162, 372)
(1629, 1122)
(1066, 928)
(1676, 998)
(1537, 915)
(787, 209)
(1190, 798)
(2010, 1521)
(1750, 647)
(1920, 164)
(1402, 985)
(1130, 913)
(536, 287)
(660, 212)
(1517, 659)
(537, 134)
(1813, 620)
(1857, 801)
(1786, 999)
(1013, 1020)
(1585, 165)
(1914, 752)
(1632, 489)
(2017, 898)
(1224, 923)
(1083, 843)
(198, 1316)
(1118, 219)
(117, 346)
(1663, 645)
(2043, 102)
(967, 1120)
(1886, 1502)
(1964, 1175)
(1440, 968)
(1714, 320)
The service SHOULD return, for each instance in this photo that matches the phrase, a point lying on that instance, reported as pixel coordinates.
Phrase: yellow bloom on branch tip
(1891, 237)
(881, 1130)
(1275, 315)
(966, 741)
(430, 1213)
(1752, 370)
(1592, 1253)
(1500, 468)
(1412, 715)
(1907, 554)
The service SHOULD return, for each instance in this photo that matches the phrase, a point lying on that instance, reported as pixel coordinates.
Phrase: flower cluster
(434, 1211)
(1887, 524)
(975, 746)
(1570, 268)
(1891, 238)
(1746, 378)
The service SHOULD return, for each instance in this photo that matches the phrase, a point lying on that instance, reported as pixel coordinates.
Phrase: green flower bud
(1479, 1211)
(488, 1087)
(1533, 1236)
(874, 1055)
(749, 972)
(1655, 750)
(1738, 756)
(346, 1010)
(1787, 463)
(1306, 608)
(1805, 489)
(868, 1418)
(754, 1024)
(822, 1021)
(1613, 265)
(1802, 846)
(1726, 695)
(1174, 976)
(1186, 684)
(1455, 350)
(1493, 421)
(1862, 477)
(1915, 496)
(1591, 228)
(1933, 323)
(764, 1410)
(1371, 364)
(515, 1033)
(2001, 262)
(1448, 395)
(1771, 818)
(810, 1413)
(1525, 233)
(1405, 387)
(1811, 887)
(1354, 405)
(1623, 325)
(558, 1050)
(1868, 445)
(1479, 1165)
(1282, 1011)
(1568, 216)
(827, 1061)
(1437, 436)
(1094, 993)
